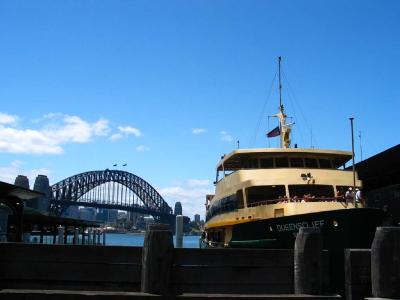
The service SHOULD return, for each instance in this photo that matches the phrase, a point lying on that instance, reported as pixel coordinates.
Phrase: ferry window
(266, 163)
(281, 162)
(311, 163)
(226, 204)
(254, 163)
(251, 164)
(239, 199)
(261, 194)
(314, 190)
(325, 163)
(296, 162)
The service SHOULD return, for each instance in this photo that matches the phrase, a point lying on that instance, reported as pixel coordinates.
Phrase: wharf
(78, 295)
(40, 271)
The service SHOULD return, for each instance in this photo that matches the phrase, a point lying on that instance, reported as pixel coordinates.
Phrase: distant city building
(140, 223)
(197, 218)
(132, 216)
(112, 216)
(186, 222)
(102, 215)
(148, 220)
(87, 213)
(178, 208)
(72, 212)
(122, 215)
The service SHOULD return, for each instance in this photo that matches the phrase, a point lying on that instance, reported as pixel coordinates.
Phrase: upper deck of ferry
(266, 158)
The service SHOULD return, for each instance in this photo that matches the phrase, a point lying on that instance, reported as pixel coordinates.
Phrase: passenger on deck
(359, 197)
(339, 195)
(349, 195)
(307, 198)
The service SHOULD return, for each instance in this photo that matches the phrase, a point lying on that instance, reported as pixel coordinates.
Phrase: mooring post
(89, 236)
(60, 235)
(308, 261)
(83, 235)
(54, 231)
(98, 237)
(65, 234)
(94, 236)
(104, 238)
(157, 257)
(76, 236)
(385, 263)
(179, 231)
(41, 234)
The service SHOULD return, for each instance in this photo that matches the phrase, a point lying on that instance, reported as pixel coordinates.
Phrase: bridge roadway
(107, 205)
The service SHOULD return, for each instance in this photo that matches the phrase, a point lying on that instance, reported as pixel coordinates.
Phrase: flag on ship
(274, 132)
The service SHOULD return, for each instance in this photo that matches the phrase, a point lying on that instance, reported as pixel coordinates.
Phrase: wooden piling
(60, 239)
(385, 263)
(157, 257)
(179, 231)
(76, 236)
(94, 237)
(83, 235)
(308, 261)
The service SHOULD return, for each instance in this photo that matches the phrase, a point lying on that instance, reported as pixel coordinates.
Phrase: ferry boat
(263, 196)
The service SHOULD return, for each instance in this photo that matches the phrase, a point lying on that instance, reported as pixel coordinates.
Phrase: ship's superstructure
(263, 196)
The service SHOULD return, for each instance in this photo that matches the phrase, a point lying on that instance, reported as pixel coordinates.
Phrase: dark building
(42, 185)
(102, 215)
(381, 180)
(22, 181)
(112, 216)
(178, 208)
(197, 218)
(72, 212)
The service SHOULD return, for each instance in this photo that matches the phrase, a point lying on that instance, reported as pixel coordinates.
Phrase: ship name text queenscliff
(296, 226)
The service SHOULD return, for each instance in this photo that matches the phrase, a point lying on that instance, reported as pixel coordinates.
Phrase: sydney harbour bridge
(109, 189)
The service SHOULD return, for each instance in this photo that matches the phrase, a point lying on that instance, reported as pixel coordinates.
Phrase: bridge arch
(70, 190)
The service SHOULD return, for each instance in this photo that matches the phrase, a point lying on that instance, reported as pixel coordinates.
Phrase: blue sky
(86, 84)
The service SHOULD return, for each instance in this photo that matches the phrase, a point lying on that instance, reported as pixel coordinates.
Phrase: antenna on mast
(359, 136)
(284, 128)
(311, 138)
(280, 82)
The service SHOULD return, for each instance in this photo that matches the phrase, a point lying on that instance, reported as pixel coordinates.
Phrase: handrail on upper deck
(297, 200)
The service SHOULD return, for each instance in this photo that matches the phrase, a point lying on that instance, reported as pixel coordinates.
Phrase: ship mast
(285, 129)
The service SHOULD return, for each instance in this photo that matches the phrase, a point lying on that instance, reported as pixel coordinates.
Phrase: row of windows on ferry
(264, 195)
(286, 162)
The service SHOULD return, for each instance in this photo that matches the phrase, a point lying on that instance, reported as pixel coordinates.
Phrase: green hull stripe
(262, 243)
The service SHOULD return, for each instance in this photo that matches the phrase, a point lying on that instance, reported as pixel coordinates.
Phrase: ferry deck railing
(297, 200)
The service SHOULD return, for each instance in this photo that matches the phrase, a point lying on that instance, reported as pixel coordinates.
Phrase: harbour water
(122, 239)
(137, 239)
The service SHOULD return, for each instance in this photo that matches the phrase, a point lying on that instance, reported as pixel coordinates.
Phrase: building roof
(10, 190)
(380, 170)
(35, 217)
(233, 159)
